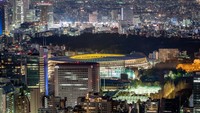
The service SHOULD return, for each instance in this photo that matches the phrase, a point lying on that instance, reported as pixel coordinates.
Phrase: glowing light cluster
(195, 66)
(141, 93)
(94, 56)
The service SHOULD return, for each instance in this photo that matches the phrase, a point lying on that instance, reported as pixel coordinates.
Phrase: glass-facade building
(33, 72)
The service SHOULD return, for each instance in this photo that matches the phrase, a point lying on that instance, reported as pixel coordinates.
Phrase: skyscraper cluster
(65, 77)
(22, 11)
(150, 17)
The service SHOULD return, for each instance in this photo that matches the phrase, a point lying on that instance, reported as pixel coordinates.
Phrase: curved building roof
(98, 57)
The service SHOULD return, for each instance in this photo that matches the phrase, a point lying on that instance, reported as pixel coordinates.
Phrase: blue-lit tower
(43, 64)
(2, 17)
(46, 71)
(43, 70)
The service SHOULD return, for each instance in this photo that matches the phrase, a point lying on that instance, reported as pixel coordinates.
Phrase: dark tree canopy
(117, 43)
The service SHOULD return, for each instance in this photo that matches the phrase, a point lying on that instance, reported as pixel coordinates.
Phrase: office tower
(22, 103)
(2, 17)
(196, 92)
(167, 54)
(10, 107)
(114, 15)
(13, 98)
(32, 71)
(136, 20)
(43, 71)
(8, 18)
(18, 12)
(30, 15)
(35, 100)
(44, 78)
(12, 64)
(2, 101)
(8, 103)
(45, 13)
(127, 14)
(93, 17)
(3, 95)
(73, 80)
(26, 4)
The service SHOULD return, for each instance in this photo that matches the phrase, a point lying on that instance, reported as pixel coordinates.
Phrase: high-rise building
(73, 80)
(127, 14)
(45, 13)
(26, 4)
(167, 54)
(30, 15)
(2, 17)
(8, 97)
(34, 76)
(43, 70)
(22, 103)
(2, 101)
(35, 100)
(13, 98)
(3, 95)
(136, 20)
(196, 93)
(8, 17)
(10, 107)
(18, 12)
(114, 15)
(32, 71)
(11, 64)
(93, 17)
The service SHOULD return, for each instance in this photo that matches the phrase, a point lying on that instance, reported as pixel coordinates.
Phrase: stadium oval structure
(111, 65)
(93, 56)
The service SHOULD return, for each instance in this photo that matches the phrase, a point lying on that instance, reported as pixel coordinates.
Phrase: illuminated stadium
(111, 65)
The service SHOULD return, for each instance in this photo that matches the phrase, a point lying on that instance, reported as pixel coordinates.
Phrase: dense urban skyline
(99, 56)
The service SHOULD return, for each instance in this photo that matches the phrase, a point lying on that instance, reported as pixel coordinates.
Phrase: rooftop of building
(98, 57)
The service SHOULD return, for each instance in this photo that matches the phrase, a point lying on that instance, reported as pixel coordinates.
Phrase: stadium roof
(98, 57)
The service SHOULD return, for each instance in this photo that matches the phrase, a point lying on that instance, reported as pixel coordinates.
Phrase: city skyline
(99, 56)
